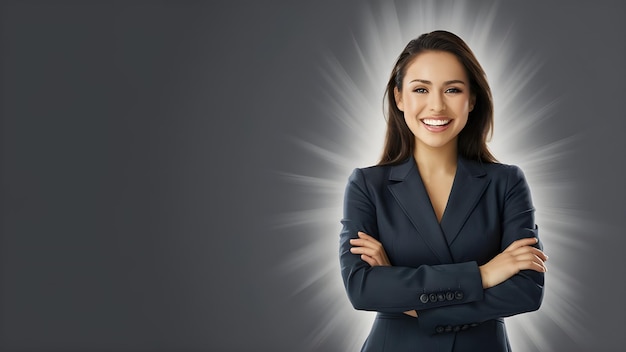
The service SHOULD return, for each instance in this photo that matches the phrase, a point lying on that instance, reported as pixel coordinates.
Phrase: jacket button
(432, 297)
(458, 295)
(439, 329)
(441, 297)
(449, 295)
(424, 298)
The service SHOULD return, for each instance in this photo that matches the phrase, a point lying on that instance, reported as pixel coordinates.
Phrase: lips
(436, 125)
(436, 122)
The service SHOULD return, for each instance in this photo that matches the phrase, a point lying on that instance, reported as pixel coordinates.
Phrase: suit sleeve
(522, 292)
(395, 289)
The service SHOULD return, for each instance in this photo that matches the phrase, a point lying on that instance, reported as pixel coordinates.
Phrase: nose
(437, 103)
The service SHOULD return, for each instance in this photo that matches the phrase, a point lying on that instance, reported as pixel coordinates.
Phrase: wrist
(483, 276)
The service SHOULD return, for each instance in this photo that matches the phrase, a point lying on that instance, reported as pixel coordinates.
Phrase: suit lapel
(469, 185)
(410, 193)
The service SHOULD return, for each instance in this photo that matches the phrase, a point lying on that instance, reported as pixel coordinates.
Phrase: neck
(436, 160)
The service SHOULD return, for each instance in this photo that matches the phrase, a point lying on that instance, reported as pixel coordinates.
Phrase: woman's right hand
(520, 255)
(371, 250)
(373, 253)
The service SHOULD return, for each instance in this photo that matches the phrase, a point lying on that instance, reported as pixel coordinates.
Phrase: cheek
(413, 104)
(412, 122)
(462, 109)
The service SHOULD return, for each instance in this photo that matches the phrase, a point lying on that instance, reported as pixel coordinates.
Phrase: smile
(436, 122)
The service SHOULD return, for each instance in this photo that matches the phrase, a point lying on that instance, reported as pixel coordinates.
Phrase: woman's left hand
(371, 251)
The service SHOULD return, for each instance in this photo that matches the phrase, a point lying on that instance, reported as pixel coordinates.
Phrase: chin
(435, 144)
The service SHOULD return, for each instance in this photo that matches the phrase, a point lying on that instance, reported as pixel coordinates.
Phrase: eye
(420, 90)
(453, 90)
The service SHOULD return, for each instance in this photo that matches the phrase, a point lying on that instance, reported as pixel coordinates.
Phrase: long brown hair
(472, 140)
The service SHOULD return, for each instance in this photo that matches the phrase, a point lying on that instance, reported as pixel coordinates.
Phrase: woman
(439, 238)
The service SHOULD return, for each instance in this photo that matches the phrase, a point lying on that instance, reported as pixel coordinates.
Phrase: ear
(398, 96)
(472, 102)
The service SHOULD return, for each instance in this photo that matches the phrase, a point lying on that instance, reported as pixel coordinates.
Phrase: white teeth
(435, 122)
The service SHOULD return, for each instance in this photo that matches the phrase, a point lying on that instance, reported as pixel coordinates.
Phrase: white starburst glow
(354, 101)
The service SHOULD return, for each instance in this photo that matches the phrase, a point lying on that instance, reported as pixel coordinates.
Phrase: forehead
(435, 66)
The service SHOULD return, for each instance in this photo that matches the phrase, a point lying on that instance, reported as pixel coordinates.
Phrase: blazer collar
(470, 182)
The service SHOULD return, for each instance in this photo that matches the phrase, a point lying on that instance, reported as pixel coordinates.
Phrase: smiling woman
(436, 108)
(439, 238)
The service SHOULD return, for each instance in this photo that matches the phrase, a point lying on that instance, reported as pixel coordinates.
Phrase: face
(435, 99)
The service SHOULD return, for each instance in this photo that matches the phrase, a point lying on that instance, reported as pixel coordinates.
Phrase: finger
(539, 253)
(412, 313)
(367, 244)
(529, 249)
(369, 260)
(367, 251)
(521, 243)
(536, 266)
(370, 241)
(363, 242)
(530, 241)
(530, 261)
(528, 257)
(365, 236)
(380, 258)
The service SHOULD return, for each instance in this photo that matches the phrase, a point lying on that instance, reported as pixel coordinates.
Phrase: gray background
(139, 154)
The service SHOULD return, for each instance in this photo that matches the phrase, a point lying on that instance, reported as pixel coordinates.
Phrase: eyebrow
(445, 83)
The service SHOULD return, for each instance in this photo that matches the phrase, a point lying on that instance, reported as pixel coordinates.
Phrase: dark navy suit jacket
(435, 264)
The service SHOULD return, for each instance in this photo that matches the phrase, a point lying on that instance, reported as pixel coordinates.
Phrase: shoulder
(494, 170)
(503, 170)
(380, 174)
(364, 185)
(371, 174)
(504, 177)
(372, 181)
